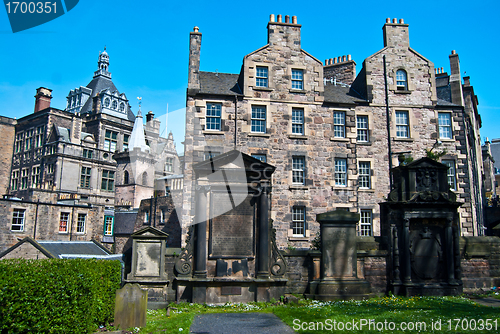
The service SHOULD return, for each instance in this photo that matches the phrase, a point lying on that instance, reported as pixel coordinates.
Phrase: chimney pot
(349, 57)
(294, 19)
(394, 20)
(271, 19)
(343, 58)
(339, 59)
(442, 71)
(287, 19)
(279, 18)
(42, 98)
(388, 20)
(331, 61)
(196, 29)
(453, 52)
(335, 60)
(401, 21)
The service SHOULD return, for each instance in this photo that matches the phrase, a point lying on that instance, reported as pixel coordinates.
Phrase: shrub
(57, 296)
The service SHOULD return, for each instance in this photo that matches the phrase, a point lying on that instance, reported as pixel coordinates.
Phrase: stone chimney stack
(396, 34)
(42, 98)
(194, 59)
(283, 34)
(149, 116)
(457, 96)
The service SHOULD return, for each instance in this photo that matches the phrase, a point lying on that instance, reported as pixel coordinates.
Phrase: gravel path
(239, 323)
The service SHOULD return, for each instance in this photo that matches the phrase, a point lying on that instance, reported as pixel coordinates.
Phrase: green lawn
(376, 315)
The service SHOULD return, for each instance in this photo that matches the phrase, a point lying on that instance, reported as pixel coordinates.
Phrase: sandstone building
(331, 134)
(94, 155)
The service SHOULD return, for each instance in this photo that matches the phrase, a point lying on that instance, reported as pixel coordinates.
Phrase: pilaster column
(406, 251)
(263, 210)
(200, 265)
(448, 239)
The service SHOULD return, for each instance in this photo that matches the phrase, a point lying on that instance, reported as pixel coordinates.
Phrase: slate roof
(342, 95)
(219, 83)
(98, 84)
(124, 222)
(57, 248)
(64, 133)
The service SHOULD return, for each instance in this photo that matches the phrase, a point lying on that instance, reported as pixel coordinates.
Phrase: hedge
(56, 295)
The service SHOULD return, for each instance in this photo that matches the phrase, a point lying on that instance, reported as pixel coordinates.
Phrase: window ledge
(365, 190)
(256, 134)
(297, 137)
(213, 132)
(364, 143)
(340, 139)
(16, 231)
(298, 187)
(447, 140)
(403, 139)
(402, 92)
(298, 238)
(342, 188)
(299, 91)
(266, 89)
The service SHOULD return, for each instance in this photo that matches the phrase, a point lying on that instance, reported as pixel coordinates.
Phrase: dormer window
(401, 80)
(122, 107)
(261, 79)
(107, 101)
(115, 105)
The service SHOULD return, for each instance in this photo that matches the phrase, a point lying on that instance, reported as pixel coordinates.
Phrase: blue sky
(148, 46)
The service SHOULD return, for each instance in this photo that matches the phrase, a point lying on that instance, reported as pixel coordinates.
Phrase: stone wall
(7, 134)
(480, 262)
(41, 222)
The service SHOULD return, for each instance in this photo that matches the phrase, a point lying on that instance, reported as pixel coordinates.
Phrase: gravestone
(420, 221)
(338, 267)
(131, 306)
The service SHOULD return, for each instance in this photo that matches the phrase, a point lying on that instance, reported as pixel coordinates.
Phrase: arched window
(145, 179)
(125, 177)
(401, 80)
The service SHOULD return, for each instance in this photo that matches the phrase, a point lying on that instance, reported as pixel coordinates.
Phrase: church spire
(103, 65)
(137, 138)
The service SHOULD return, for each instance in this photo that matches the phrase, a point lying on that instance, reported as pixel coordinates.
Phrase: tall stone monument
(420, 221)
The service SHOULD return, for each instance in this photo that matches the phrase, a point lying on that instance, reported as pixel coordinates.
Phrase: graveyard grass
(311, 312)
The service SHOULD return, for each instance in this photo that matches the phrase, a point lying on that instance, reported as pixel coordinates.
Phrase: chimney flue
(287, 19)
(294, 19)
(279, 18)
(42, 98)
(271, 19)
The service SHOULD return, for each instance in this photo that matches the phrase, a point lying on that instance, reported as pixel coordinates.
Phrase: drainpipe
(388, 123)
(235, 121)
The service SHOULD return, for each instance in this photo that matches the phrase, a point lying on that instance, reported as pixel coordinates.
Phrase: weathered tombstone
(231, 254)
(420, 221)
(338, 273)
(131, 306)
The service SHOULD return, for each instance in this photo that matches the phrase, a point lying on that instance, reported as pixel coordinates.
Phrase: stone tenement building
(93, 154)
(331, 134)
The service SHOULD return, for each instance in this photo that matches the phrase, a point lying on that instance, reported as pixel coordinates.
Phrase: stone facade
(7, 135)
(78, 156)
(328, 139)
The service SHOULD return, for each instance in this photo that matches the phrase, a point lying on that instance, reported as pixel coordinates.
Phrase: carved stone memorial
(420, 221)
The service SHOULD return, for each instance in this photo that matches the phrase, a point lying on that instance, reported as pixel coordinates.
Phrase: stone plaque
(232, 233)
(148, 259)
(230, 290)
(339, 251)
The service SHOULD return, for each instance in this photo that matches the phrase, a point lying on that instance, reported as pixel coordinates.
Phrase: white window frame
(299, 170)
(298, 221)
(298, 121)
(262, 76)
(362, 127)
(18, 220)
(451, 173)
(339, 124)
(365, 223)
(445, 125)
(340, 172)
(401, 80)
(81, 222)
(64, 222)
(257, 122)
(402, 127)
(364, 175)
(213, 116)
(297, 79)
